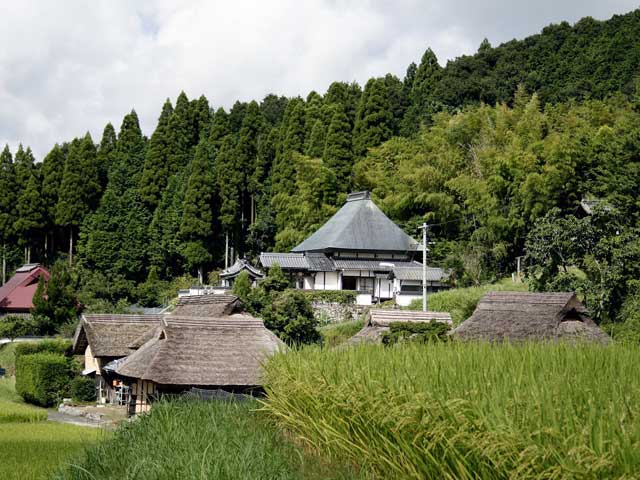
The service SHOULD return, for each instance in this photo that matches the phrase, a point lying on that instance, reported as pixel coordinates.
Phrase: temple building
(362, 250)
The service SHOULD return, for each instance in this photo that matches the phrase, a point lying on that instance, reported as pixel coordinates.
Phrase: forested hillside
(482, 148)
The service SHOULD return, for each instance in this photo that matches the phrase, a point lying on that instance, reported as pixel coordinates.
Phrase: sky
(71, 66)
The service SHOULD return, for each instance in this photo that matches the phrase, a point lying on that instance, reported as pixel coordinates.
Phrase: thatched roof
(111, 335)
(379, 321)
(209, 305)
(519, 316)
(224, 351)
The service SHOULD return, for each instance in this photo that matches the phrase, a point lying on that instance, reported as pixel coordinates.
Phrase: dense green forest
(495, 150)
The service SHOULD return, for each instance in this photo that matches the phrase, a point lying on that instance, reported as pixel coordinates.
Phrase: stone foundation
(333, 312)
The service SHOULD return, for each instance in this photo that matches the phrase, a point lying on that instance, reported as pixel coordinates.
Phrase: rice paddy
(465, 411)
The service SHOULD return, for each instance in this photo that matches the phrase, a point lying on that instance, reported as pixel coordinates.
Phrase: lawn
(189, 439)
(31, 447)
(465, 411)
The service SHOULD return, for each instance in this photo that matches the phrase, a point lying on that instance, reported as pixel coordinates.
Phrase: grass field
(31, 447)
(461, 302)
(200, 440)
(465, 411)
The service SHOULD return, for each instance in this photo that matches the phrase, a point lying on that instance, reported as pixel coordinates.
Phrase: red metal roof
(17, 294)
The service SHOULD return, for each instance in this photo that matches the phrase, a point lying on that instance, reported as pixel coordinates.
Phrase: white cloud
(68, 67)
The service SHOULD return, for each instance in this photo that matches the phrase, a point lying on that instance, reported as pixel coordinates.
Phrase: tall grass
(199, 440)
(8, 358)
(465, 411)
(13, 408)
(337, 333)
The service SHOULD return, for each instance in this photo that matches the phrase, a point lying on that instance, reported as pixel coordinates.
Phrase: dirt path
(54, 416)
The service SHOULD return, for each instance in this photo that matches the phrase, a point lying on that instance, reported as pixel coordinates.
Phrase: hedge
(415, 332)
(58, 346)
(83, 389)
(43, 378)
(344, 297)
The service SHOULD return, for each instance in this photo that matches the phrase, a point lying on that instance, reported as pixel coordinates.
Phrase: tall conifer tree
(374, 119)
(106, 154)
(7, 206)
(338, 154)
(31, 215)
(156, 172)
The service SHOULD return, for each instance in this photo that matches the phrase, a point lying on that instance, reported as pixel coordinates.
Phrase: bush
(83, 389)
(423, 332)
(43, 378)
(242, 286)
(290, 316)
(343, 297)
(58, 346)
(13, 326)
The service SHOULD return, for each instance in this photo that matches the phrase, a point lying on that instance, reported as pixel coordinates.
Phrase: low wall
(334, 312)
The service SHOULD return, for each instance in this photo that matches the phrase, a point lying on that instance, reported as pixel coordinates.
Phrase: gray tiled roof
(240, 265)
(359, 225)
(434, 274)
(287, 261)
(364, 264)
(319, 262)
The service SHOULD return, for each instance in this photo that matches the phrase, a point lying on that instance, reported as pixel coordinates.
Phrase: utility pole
(424, 228)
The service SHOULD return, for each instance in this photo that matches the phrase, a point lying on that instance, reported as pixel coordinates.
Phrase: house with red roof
(16, 296)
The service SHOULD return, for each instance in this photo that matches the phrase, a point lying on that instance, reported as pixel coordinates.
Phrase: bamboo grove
(482, 148)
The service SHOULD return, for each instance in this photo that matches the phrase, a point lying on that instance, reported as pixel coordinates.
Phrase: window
(349, 283)
(366, 284)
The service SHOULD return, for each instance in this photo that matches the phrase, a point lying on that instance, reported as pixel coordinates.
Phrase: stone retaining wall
(333, 312)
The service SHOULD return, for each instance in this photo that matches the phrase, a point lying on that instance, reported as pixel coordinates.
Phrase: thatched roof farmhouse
(379, 321)
(522, 316)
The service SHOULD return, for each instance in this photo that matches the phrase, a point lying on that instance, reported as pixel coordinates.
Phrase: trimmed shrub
(415, 332)
(43, 378)
(58, 346)
(343, 297)
(83, 389)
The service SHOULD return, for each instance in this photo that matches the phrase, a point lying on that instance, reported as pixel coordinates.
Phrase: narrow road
(54, 416)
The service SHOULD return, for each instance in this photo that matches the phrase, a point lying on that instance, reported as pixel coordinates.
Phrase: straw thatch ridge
(379, 321)
(209, 305)
(111, 335)
(204, 351)
(523, 316)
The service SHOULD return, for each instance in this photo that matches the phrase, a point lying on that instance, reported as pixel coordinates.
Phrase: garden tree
(31, 215)
(155, 172)
(78, 189)
(8, 188)
(14, 326)
(272, 108)
(275, 281)
(338, 154)
(54, 302)
(181, 135)
(106, 153)
(421, 83)
(374, 117)
(52, 173)
(316, 141)
(290, 316)
(197, 228)
(242, 286)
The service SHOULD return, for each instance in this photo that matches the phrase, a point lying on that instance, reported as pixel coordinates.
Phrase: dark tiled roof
(319, 262)
(434, 274)
(239, 266)
(519, 316)
(359, 225)
(287, 261)
(365, 264)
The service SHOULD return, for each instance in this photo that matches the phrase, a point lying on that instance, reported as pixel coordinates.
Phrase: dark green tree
(181, 134)
(338, 154)
(374, 118)
(156, 172)
(31, 215)
(317, 139)
(106, 153)
(52, 173)
(8, 188)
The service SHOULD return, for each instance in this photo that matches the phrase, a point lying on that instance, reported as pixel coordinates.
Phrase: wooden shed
(523, 316)
(211, 353)
(379, 321)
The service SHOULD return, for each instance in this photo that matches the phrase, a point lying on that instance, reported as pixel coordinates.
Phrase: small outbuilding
(228, 275)
(207, 353)
(379, 321)
(16, 296)
(524, 316)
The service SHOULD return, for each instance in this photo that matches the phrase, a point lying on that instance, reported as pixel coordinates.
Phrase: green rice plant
(185, 439)
(465, 411)
(337, 333)
(36, 450)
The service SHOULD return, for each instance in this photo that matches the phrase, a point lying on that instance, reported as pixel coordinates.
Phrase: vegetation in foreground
(194, 439)
(334, 334)
(465, 411)
(31, 447)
